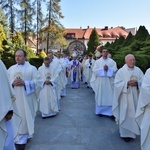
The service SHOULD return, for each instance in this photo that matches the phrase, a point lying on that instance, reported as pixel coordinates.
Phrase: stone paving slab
(76, 127)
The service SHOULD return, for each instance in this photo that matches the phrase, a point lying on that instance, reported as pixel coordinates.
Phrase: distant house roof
(132, 30)
(79, 33)
(104, 33)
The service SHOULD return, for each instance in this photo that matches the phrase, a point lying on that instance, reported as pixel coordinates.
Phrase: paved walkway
(76, 127)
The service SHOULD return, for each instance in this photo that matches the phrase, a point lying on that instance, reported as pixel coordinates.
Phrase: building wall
(83, 36)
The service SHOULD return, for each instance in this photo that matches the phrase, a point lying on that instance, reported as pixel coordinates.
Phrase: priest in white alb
(89, 63)
(26, 81)
(143, 112)
(84, 69)
(48, 104)
(102, 84)
(62, 75)
(54, 62)
(8, 130)
(126, 92)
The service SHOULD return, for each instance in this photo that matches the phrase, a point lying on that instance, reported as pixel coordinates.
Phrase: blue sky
(101, 13)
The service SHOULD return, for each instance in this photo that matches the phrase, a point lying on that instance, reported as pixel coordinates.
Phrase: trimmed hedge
(37, 62)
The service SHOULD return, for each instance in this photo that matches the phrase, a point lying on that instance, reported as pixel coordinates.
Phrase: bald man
(126, 92)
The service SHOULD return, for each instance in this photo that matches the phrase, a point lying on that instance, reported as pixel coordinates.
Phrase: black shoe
(20, 146)
(85, 83)
(112, 117)
(100, 115)
(88, 87)
(127, 139)
(46, 117)
(49, 116)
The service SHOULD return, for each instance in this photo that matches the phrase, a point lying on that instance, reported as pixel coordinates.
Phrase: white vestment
(62, 76)
(143, 112)
(26, 97)
(48, 104)
(7, 97)
(125, 100)
(102, 84)
(75, 73)
(67, 61)
(67, 70)
(58, 87)
(89, 66)
(55, 63)
(83, 71)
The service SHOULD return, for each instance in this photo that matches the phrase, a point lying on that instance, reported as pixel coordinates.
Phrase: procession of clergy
(122, 94)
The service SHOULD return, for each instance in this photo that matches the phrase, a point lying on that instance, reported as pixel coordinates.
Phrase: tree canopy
(138, 45)
(93, 42)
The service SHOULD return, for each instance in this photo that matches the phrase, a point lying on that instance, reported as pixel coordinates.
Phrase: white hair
(127, 56)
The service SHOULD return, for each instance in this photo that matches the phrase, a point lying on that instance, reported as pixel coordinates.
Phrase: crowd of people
(122, 94)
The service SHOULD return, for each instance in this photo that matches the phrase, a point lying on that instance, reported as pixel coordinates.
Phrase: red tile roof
(105, 33)
(79, 33)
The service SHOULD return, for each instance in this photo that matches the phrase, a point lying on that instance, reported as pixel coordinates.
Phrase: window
(70, 35)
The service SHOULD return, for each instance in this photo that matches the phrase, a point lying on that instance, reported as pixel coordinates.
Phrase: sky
(101, 13)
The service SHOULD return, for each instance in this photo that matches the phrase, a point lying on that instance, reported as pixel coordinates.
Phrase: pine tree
(54, 12)
(107, 45)
(119, 43)
(26, 16)
(40, 20)
(3, 22)
(9, 7)
(147, 42)
(53, 16)
(93, 41)
(128, 40)
(141, 34)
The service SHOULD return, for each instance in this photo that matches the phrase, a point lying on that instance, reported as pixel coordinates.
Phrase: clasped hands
(132, 83)
(105, 67)
(47, 82)
(18, 82)
(9, 115)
